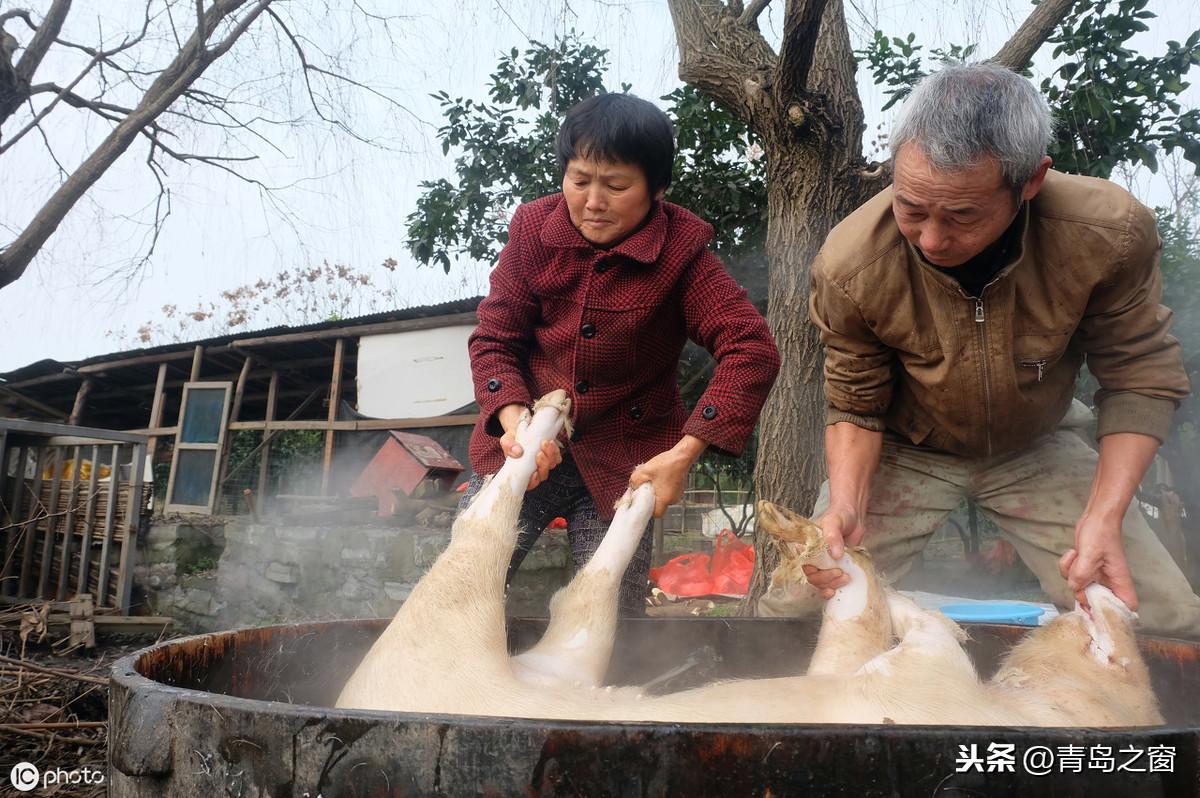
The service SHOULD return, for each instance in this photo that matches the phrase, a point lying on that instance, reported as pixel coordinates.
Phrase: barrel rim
(124, 675)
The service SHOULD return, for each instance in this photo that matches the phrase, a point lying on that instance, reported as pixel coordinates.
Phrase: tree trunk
(807, 195)
(815, 178)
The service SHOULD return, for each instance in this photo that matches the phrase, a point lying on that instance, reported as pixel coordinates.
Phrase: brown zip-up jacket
(907, 349)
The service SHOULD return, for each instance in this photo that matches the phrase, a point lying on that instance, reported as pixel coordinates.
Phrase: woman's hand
(667, 472)
(549, 456)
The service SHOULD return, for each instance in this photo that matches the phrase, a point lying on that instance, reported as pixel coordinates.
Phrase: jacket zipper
(987, 389)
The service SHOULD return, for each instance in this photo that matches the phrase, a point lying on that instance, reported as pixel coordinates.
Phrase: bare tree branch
(309, 67)
(62, 172)
(15, 80)
(203, 34)
(725, 59)
(1040, 23)
(223, 46)
(801, 27)
(106, 55)
(749, 17)
(47, 32)
(105, 109)
(40, 115)
(188, 65)
(160, 215)
(18, 13)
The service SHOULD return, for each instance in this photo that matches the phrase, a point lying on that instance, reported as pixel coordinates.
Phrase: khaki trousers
(1035, 497)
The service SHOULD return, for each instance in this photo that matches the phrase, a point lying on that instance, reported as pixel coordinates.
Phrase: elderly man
(956, 308)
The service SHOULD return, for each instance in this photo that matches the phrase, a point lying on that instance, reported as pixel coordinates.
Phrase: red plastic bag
(557, 523)
(732, 564)
(685, 575)
(726, 572)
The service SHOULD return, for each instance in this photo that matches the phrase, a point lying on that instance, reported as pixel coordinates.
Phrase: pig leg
(923, 634)
(448, 642)
(856, 623)
(549, 416)
(583, 615)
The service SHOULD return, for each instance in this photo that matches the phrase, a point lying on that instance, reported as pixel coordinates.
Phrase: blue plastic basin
(994, 612)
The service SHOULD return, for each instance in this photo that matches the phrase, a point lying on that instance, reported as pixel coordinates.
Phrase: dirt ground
(54, 713)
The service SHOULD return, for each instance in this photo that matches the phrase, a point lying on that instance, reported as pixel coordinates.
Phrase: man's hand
(852, 454)
(1098, 556)
(668, 472)
(547, 458)
(842, 526)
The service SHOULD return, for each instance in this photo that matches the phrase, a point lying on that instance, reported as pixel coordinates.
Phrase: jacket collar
(645, 245)
(1015, 254)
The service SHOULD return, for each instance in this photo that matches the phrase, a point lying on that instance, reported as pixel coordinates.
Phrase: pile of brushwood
(54, 706)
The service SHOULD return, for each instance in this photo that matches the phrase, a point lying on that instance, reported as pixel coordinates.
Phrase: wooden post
(133, 517)
(51, 523)
(68, 527)
(238, 392)
(30, 529)
(335, 396)
(76, 416)
(156, 408)
(197, 358)
(114, 496)
(274, 430)
(89, 523)
(11, 512)
(13, 536)
(272, 393)
(240, 389)
(83, 631)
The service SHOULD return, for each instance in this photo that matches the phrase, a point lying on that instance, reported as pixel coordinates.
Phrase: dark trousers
(564, 494)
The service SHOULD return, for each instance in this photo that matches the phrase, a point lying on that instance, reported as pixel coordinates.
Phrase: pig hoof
(788, 527)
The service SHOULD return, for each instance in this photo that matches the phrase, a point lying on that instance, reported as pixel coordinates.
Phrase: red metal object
(404, 461)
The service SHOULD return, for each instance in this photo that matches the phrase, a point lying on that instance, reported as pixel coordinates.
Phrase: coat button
(588, 330)
(582, 386)
(602, 266)
(493, 385)
(635, 412)
(709, 412)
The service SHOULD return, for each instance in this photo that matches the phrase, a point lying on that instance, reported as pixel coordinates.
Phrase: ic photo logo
(24, 776)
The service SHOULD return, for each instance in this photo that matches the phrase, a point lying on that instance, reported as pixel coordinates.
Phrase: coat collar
(1015, 254)
(644, 246)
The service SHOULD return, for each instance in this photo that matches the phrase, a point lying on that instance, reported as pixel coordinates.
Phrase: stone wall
(239, 573)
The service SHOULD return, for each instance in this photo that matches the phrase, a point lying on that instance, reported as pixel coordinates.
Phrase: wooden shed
(400, 370)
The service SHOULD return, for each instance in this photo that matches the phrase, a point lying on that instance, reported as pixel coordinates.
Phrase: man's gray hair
(964, 112)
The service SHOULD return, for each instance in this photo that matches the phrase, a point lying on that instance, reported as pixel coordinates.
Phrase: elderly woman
(597, 291)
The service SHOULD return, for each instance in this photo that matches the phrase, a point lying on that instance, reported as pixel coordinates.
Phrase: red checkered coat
(608, 326)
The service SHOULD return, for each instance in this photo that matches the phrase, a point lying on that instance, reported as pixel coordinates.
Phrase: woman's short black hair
(620, 127)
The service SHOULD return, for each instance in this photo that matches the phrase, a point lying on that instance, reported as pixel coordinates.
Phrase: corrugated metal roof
(48, 366)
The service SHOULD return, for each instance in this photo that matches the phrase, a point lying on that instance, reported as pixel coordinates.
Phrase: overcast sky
(346, 202)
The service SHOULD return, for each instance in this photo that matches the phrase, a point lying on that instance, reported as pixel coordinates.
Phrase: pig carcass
(879, 658)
